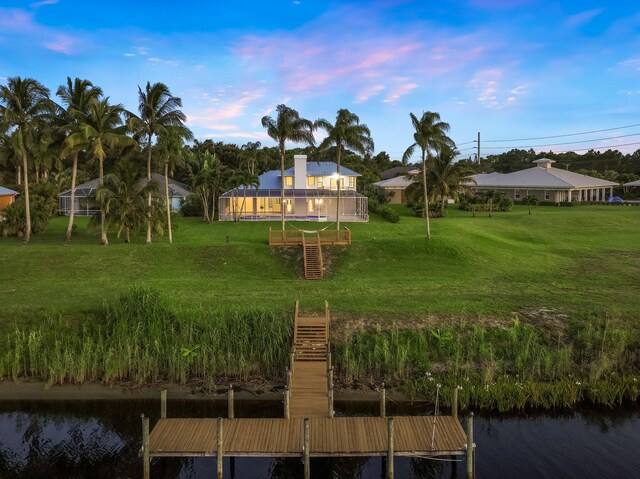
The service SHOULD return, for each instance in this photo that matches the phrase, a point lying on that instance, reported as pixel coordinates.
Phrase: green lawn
(577, 260)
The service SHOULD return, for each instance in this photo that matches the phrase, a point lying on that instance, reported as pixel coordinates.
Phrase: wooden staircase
(312, 253)
(309, 389)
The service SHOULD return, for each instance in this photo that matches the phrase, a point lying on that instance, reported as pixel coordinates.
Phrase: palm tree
(347, 133)
(24, 104)
(77, 96)
(491, 196)
(530, 200)
(124, 198)
(447, 175)
(430, 134)
(159, 111)
(288, 126)
(250, 150)
(170, 151)
(102, 130)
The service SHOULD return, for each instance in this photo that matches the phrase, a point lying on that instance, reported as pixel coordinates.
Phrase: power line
(564, 143)
(562, 136)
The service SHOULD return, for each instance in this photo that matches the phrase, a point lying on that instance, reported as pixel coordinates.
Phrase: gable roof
(395, 182)
(633, 183)
(540, 177)
(7, 192)
(398, 171)
(321, 168)
(176, 189)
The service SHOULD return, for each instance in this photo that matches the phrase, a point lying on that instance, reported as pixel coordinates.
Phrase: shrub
(191, 206)
(14, 223)
(386, 212)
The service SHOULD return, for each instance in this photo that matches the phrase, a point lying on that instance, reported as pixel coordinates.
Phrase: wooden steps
(309, 391)
(312, 253)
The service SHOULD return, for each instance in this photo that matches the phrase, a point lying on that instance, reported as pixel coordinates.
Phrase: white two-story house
(310, 191)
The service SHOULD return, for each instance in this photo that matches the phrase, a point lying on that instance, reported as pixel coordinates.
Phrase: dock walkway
(308, 428)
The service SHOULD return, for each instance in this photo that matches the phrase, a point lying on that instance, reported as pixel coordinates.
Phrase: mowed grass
(578, 261)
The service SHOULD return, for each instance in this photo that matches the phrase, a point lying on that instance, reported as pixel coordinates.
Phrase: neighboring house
(633, 184)
(7, 197)
(546, 183)
(310, 195)
(85, 206)
(394, 182)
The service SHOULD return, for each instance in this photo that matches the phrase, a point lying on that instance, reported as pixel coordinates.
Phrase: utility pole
(478, 147)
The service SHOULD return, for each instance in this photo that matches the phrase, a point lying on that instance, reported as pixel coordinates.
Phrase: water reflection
(101, 439)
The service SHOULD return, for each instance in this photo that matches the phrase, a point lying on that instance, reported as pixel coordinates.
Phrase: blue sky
(506, 68)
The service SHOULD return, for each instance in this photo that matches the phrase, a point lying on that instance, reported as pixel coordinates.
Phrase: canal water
(101, 439)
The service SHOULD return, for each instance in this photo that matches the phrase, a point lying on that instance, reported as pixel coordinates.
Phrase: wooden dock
(309, 428)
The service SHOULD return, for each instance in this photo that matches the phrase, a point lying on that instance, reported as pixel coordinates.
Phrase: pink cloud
(14, 20)
(217, 116)
(368, 92)
(401, 90)
(64, 44)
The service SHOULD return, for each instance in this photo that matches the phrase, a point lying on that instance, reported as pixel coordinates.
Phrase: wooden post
(289, 373)
(383, 401)
(146, 460)
(230, 401)
(329, 357)
(307, 436)
(390, 449)
(287, 395)
(163, 404)
(470, 446)
(220, 452)
(292, 359)
(454, 403)
(331, 410)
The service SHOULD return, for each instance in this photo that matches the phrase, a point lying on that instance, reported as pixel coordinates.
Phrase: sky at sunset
(510, 69)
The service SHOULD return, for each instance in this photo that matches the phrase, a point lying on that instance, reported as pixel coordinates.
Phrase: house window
(547, 195)
(288, 180)
(319, 181)
(333, 183)
(516, 195)
(352, 182)
(311, 180)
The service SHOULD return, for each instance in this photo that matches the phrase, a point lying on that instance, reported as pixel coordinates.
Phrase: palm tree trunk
(166, 197)
(27, 208)
(19, 174)
(338, 191)
(442, 204)
(103, 231)
(149, 193)
(282, 182)
(205, 206)
(426, 195)
(127, 238)
(72, 208)
(213, 206)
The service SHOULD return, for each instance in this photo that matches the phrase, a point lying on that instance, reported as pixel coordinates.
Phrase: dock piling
(454, 403)
(470, 446)
(146, 458)
(230, 402)
(220, 452)
(163, 404)
(307, 437)
(287, 397)
(383, 401)
(390, 434)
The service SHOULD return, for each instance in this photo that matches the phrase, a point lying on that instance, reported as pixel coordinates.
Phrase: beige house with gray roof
(546, 183)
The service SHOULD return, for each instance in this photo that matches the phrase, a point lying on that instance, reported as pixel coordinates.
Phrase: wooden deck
(294, 237)
(308, 406)
(340, 436)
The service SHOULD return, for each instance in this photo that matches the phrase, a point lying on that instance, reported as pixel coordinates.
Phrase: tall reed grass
(499, 368)
(141, 339)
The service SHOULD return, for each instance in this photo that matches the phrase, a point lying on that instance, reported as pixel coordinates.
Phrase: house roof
(398, 171)
(321, 168)
(176, 189)
(7, 192)
(541, 176)
(633, 183)
(396, 182)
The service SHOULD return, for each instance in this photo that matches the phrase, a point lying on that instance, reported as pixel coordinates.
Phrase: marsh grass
(497, 367)
(140, 339)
